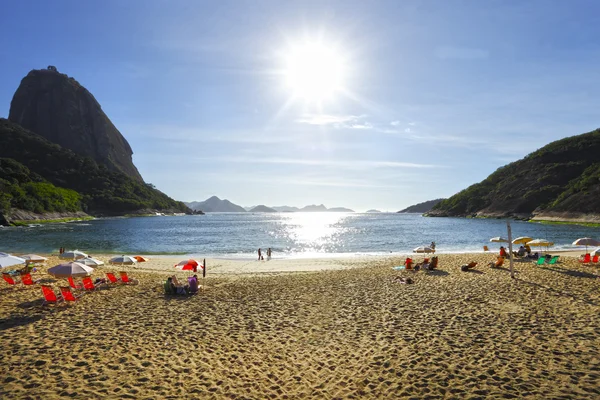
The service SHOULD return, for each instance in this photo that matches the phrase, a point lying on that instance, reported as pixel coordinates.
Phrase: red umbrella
(187, 265)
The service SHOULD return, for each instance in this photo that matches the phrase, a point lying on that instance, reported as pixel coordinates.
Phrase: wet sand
(350, 332)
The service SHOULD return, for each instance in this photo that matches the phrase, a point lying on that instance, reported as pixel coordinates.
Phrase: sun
(314, 71)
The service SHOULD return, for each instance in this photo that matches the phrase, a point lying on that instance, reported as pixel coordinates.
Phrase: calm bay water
(239, 235)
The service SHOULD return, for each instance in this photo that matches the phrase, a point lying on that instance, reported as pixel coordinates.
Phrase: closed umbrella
(73, 255)
(586, 241)
(187, 265)
(522, 240)
(123, 260)
(34, 258)
(423, 249)
(74, 269)
(92, 262)
(7, 260)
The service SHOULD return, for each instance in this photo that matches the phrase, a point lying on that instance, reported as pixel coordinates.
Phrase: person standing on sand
(259, 254)
(269, 253)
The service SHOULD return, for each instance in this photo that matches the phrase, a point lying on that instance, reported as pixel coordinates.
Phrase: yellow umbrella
(541, 243)
(523, 240)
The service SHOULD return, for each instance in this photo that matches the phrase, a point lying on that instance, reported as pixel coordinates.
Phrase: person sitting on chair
(193, 283)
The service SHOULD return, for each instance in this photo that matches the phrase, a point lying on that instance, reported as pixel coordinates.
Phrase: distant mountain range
(421, 207)
(214, 204)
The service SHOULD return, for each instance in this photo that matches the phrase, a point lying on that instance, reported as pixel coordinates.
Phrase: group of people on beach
(260, 256)
(174, 287)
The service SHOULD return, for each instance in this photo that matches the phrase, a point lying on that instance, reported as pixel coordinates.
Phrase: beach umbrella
(73, 255)
(123, 260)
(34, 258)
(498, 239)
(187, 265)
(423, 249)
(141, 259)
(73, 269)
(91, 262)
(522, 240)
(586, 241)
(7, 260)
(596, 252)
(540, 243)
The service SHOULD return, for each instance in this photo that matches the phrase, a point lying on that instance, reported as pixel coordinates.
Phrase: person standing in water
(269, 253)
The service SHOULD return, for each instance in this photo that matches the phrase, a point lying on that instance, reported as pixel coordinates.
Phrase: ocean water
(291, 235)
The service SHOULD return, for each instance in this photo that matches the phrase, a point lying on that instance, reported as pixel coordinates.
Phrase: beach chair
(126, 279)
(586, 259)
(485, 248)
(27, 280)
(541, 261)
(468, 266)
(73, 284)
(595, 259)
(9, 279)
(50, 296)
(112, 278)
(499, 262)
(67, 294)
(553, 260)
(88, 284)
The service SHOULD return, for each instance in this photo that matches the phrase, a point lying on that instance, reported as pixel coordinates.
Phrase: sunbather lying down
(468, 266)
(497, 264)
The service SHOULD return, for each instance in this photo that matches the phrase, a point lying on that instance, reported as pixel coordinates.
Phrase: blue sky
(435, 95)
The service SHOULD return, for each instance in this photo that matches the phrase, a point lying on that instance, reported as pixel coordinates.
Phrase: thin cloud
(318, 162)
(336, 121)
(395, 123)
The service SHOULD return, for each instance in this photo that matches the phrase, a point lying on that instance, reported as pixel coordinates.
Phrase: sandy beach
(311, 328)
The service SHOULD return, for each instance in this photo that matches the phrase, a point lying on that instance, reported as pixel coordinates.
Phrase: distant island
(214, 204)
(373, 211)
(559, 182)
(421, 207)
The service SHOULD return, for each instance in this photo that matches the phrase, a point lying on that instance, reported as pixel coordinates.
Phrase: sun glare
(314, 71)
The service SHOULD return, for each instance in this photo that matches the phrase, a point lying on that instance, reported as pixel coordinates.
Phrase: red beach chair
(67, 295)
(9, 279)
(595, 259)
(586, 259)
(73, 284)
(27, 280)
(50, 296)
(88, 284)
(126, 279)
(112, 278)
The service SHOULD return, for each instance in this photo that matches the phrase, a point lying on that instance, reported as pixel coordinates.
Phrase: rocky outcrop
(421, 207)
(16, 215)
(58, 108)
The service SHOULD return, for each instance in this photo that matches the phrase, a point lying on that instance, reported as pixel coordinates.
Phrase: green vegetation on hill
(103, 192)
(561, 177)
(421, 207)
(20, 188)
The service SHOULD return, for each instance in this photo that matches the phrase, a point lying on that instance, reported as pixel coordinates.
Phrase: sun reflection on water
(314, 231)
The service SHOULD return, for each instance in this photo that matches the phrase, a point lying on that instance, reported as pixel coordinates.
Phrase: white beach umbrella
(423, 249)
(73, 255)
(123, 260)
(34, 258)
(92, 262)
(74, 269)
(498, 239)
(7, 260)
(586, 241)
(596, 252)
(540, 243)
(522, 240)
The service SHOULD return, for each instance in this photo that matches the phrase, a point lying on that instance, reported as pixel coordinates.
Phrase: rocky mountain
(42, 177)
(214, 204)
(263, 209)
(560, 181)
(61, 110)
(421, 207)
